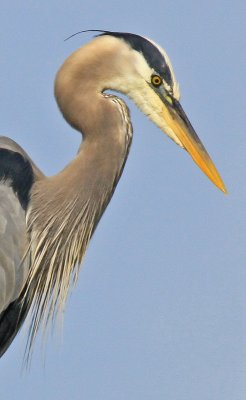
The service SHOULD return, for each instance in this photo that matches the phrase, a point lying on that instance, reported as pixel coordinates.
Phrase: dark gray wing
(17, 175)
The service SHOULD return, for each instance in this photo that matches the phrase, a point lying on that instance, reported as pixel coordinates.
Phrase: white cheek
(141, 66)
(150, 104)
(133, 82)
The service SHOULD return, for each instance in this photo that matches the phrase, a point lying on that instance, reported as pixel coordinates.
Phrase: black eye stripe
(151, 53)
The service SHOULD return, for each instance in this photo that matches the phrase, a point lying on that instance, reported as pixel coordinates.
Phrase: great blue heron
(46, 222)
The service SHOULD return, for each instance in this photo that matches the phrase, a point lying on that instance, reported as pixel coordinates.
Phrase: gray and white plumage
(46, 222)
(15, 168)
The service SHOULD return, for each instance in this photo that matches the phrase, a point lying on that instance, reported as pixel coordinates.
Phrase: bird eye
(156, 80)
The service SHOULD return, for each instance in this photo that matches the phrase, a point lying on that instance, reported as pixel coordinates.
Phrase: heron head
(145, 74)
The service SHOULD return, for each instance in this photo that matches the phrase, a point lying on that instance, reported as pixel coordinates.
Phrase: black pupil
(156, 80)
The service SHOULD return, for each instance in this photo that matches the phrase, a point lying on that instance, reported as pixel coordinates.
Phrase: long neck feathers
(65, 209)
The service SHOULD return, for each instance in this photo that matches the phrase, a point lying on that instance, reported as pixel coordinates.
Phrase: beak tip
(224, 190)
(220, 184)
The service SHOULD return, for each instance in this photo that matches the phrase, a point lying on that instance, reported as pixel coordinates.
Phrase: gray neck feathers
(66, 208)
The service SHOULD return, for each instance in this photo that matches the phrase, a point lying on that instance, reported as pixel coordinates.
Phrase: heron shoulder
(17, 169)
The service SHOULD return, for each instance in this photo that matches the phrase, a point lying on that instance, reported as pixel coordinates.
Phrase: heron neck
(70, 204)
(103, 121)
(84, 187)
(65, 208)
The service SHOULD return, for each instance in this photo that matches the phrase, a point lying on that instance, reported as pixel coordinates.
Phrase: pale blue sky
(160, 308)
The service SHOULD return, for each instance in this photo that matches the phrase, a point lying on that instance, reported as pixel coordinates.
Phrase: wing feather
(17, 175)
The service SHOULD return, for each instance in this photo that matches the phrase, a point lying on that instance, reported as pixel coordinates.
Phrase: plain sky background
(159, 311)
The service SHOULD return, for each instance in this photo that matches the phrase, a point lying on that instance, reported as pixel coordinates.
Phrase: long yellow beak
(177, 120)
